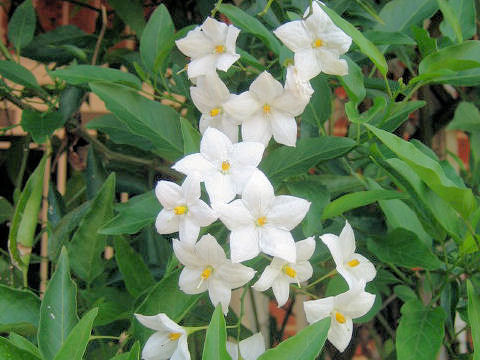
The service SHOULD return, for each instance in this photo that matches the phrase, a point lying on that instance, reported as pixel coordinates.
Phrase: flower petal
(200, 213)
(305, 248)
(258, 194)
(232, 350)
(159, 347)
(304, 271)
(181, 353)
(364, 270)
(307, 61)
(316, 310)
(167, 222)
(346, 240)
(160, 322)
(194, 165)
(185, 253)
(340, 334)
(281, 290)
(294, 35)
(209, 251)
(284, 128)
(354, 303)
(169, 194)
(290, 102)
(278, 242)
(232, 35)
(235, 275)
(215, 146)
(244, 244)
(257, 128)
(333, 244)
(252, 347)
(190, 281)
(219, 292)
(331, 64)
(201, 66)
(191, 189)
(220, 187)
(242, 106)
(195, 44)
(234, 215)
(287, 211)
(247, 153)
(267, 278)
(226, 60)
(188, 230)
(215, 30)
(265, 88)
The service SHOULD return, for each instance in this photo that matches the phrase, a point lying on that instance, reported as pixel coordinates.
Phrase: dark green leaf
(319, 108)
(6, 210)
(215, 347)
(41, 125)
(58, 311)
(8, 351)
(95, 174)
(474, 318)
(400, 15)
(20, 310)
(21, 26)
(131, 13)
(388, 38)
(17, 73)
(70, 100)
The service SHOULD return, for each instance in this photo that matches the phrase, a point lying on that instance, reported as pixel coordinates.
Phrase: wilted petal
(235, 275)
(190, 281)
(278, 242)
(284, 128)
(168, 193)
(258, 194)
(167, 222)
(244, 244)
(294, 35)
(340, 334)
(287, 211)
(266, 88)
(252, 347)
(318, 20)
(219, 292)
(281, 290)
(257, 128)
(210, 251)
(316, 310)
(305, 248)
(194, 165)
(234, 215)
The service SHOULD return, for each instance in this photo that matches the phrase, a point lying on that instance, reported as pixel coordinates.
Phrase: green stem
(101, 337)
(324, 277)
(215, 9)
(265, 10)
(23, 165)
(242, 312)
(399, 273)
(254, 308)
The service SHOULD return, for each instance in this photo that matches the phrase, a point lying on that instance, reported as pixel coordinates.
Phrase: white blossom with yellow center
(317, 43)
(224, 167)
(352, 266)
(168, 341)
(341, 309)
(207, 268)
(183, 211)
(210, 46)
(280, 273)
(261, 221)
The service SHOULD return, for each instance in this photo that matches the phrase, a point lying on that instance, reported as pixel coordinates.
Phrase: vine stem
(215, 9)
(265, 10)
(324, 277)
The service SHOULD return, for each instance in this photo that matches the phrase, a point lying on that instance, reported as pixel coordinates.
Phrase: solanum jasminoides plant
(261, 180)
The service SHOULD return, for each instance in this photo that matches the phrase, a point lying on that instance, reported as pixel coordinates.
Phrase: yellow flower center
(353, 263)
(317, 43)
(180, 210)
(214, 112)
(261, 221)
(219, 49)
(340, 318)
(174, 336)
(266, 109)
(206, 272)
(289, 271)
(225, 166)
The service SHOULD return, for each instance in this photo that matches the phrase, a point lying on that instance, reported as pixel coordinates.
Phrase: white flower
(317, 43)
(250, 348)
(210, 46)
(260, 221)
(280, 273)
(266, 110)
(223, 166)
(168, 342)
(207, 268)
(297, 85)
(183, 211)
(352, 266)
(342, 309)
(209, 96)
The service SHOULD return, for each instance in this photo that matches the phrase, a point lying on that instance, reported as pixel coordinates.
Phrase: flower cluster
(242, 197)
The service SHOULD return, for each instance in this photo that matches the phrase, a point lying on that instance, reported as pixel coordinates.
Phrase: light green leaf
(353, 82)
(215, 347)
(87, 245)
(474, 318)
(58, 311)
(429, 171)
(191, 137)
(451, 18)
(426, 44)
(131, 13)
(18, 74)
(21, 26)
(466, 118)
(76, 343)
(22, 343)
(465, 12)
(41, 125)
(306, 345)
(404, 248)
(358, 199)
(20, 310)
(6, 210)
(400, 15)
(8, 351)
(420, 332)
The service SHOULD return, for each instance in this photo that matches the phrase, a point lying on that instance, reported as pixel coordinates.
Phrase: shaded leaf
(20, 310)
(18, 74)
(21, 26)
(474, 318)
(215, 347)
(8, 351)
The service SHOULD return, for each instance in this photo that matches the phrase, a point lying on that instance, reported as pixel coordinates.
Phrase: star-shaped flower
(250, 348)
(210, 46)
(317, 43)
(223, 166)
(261, 221)
(207, 268)
(183, 211)
(280, 273)
(168, 342)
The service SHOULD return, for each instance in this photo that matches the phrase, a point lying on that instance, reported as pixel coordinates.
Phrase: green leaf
(83, 74)
(20, 310)
(404, 248)
(400, 15)
(429, 171)
(474, 318)
(87, 244)
(131, 13)
(76, 343)
(365, 45)
(466, 118)
(6, 210)
(292, 161)
(58, 311)
(464, 11)
(70, 100)
(135, 273)
(8, 351)
(164, 297)
(389, 38)
(215, 347)
(451, 18)
(319, 108)
(353, 82)
(306, 345)
(18, 74)
(95, 174)
(398, 114)
(251, 25)
(420, 332)
(41, 125)
(191, 137)
(21, 26)
(22, 343)
(426, 44)
(149, 119)
(134, 215)
(157, 39)
(359, 199)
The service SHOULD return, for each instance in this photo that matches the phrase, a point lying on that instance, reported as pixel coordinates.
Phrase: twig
(101, 35)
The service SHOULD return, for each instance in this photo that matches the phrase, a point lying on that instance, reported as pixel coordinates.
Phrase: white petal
(201, 97)
(210, 251)
(215, 88)
(347, 240)
(333, 243)
(363, 271)
(354, 303)
(159, 347)
(331, 64)
(267, 278)
(190, 281)
(258, 194)
(235, 275)
(257, 128)
(284, 128)
(194, 165)
(195, 44)
(304, 271)
(244, 244)
(234, 215)
(221, 122)
(305, 248)
(296, 82)
(215, 30)
(219, 292)
(294, 35)
(240, 176)
(278, 242)
(241, 107)
(287, 211)
(220, 187)
(232, 350)
(182, 352)
(169, 194)
(159, 322)
(200, 213)
(188, 230)
(167, 222)
(340, 334)
(247, 153)
(232, 34)
(318, 20)
(224, 61)
(266, 88)
(215, 146)
(290, 102)
(307, 61)
(316, 310)
(201, 66)
(185, 253)
(252, 347)
(191, 189)
(281, 290)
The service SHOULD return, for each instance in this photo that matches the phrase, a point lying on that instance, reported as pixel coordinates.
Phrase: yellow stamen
(353, 263)
(180, 210)
(261, 221)
(266, 109)
(340, 318)
(214, 112)
(225, 165)
(206, 272)
(317, 43)
(289, 271)
(174, 336)
(219, 49)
